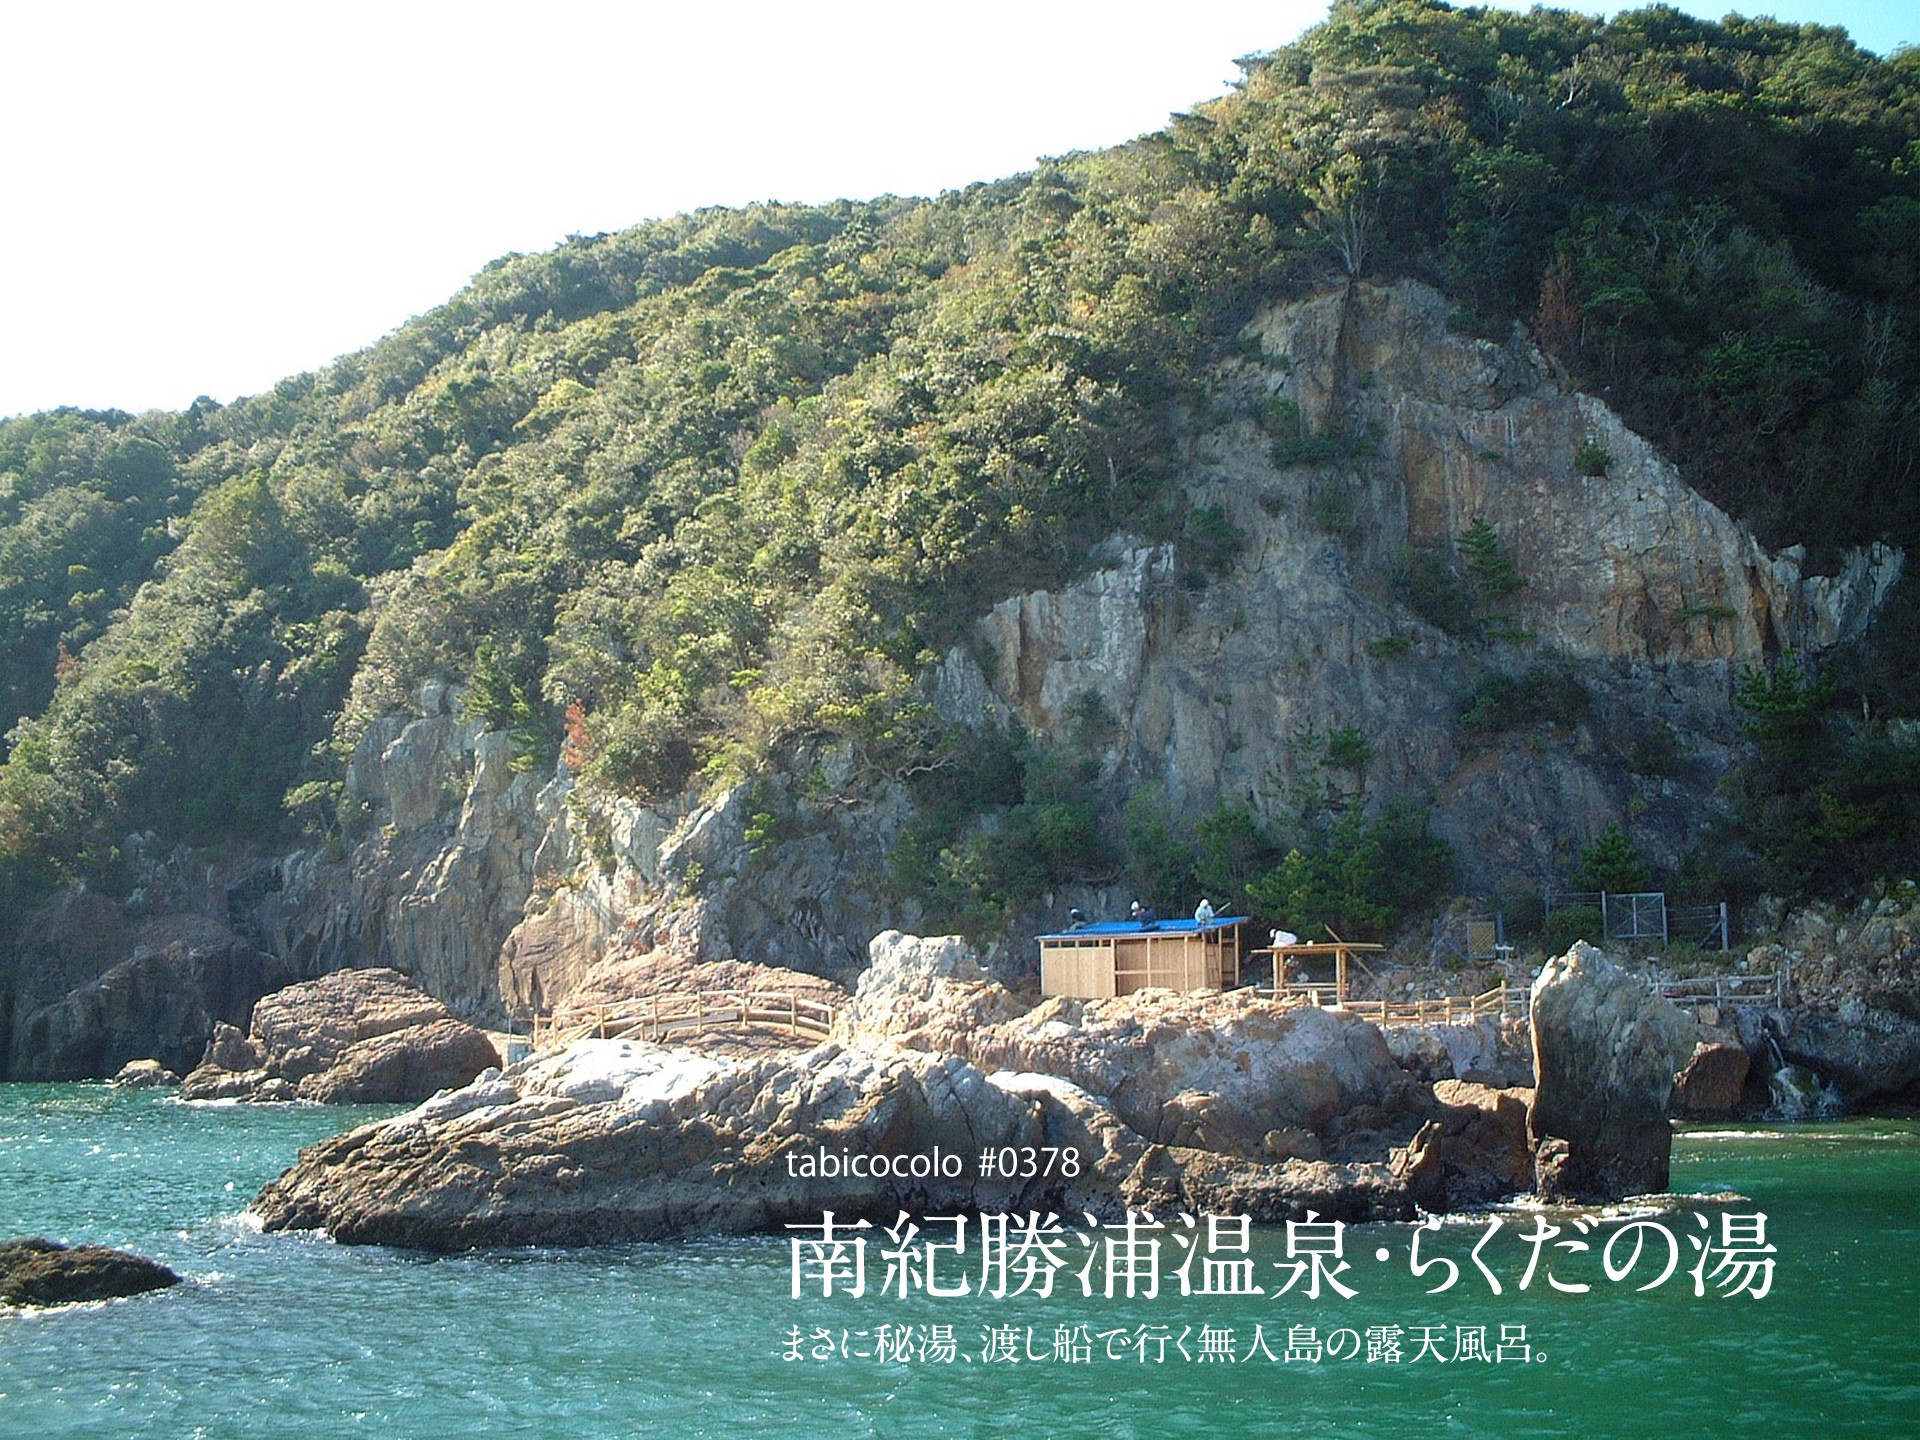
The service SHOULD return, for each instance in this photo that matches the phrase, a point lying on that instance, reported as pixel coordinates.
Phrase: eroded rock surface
(145, 1075)
(1606, 1048)
(43, 1272)
(1186, 1101)
(353, 1037)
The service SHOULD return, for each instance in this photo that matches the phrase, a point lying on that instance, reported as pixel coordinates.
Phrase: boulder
(353, 1037)
(145, 1074)
(1606, 1047)
(617, 1141)
(1713, 1081)
(41, 1272)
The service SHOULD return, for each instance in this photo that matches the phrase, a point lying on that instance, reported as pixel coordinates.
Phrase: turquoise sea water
(289, 1335)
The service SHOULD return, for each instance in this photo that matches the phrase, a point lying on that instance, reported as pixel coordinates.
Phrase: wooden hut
(1096, 961)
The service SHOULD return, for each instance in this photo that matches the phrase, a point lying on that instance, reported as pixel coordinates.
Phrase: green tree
(1612, 863)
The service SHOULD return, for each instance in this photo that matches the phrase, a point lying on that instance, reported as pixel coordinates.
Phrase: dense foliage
(734, 477)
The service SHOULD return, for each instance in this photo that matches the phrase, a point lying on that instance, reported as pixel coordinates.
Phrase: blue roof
(1112, 928)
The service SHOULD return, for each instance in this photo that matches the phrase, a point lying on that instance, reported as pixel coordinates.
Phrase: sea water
(289, 1335)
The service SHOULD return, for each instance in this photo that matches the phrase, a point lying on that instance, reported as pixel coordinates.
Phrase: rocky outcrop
(1712, 1085)
(685, 878)
(41, 1272)
(145, 1075)
(624, 1140)
(457, 841)
(95, 991)
(1198, 1102)
(1646, 597)
(354, 1037)
(1606, 1048)
(1476, 1151)
(1866, 1052)
(619, 1141)
(1852, 1036)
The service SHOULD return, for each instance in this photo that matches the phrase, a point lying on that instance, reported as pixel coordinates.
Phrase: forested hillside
(669, 499)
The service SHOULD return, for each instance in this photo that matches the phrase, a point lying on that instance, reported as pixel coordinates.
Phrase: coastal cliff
(1636, 603)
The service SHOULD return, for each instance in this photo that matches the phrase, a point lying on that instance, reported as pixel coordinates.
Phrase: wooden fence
(1768, 988)
(660, 1017)
(1437, 1010)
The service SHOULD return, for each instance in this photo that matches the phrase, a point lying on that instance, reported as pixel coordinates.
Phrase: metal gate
(1641, 916)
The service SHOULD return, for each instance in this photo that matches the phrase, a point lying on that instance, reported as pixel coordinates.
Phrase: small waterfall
(1798, 1093)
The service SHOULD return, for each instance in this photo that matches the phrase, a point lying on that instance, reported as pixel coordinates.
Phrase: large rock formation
(1712, 1084)
(457, 843)
(43, 1272)
(1200, 1101)
(1606, 1048)
(353, 1037)
(94, 990)
(624, 1140)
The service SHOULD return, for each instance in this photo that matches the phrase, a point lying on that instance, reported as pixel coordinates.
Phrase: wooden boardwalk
(682, 1013)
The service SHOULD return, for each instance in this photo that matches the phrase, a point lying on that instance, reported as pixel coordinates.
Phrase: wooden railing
(660, 1017)
(1435, 1010)
(1771, 986)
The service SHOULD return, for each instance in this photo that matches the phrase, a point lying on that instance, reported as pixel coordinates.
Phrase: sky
(204, 196)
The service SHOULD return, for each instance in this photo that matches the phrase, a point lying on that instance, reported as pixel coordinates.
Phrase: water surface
(293, 1336)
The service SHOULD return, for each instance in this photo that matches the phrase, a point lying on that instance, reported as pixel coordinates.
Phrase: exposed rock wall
(456, 841)
(95, 990)
(1650, 596)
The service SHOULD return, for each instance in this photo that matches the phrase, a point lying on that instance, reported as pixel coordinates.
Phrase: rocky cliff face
(457, 841)
(1347, 451)
(1640, 599)
(1637, 592)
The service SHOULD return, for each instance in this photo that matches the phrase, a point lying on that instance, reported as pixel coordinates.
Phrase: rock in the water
(354, 1037)
(1606, 1047)
(1867, 1051)
(1194, 1102)
(1713, 1082)
(41, 1272)
(1476, 1151)
(622, 1140)
(145, 1074)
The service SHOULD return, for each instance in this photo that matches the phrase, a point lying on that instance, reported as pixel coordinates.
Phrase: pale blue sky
(208, 195)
